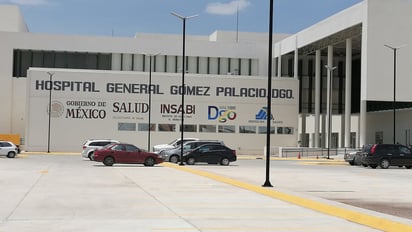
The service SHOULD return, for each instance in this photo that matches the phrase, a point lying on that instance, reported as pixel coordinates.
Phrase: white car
(92, 144)
(8, 149)
(175, 143)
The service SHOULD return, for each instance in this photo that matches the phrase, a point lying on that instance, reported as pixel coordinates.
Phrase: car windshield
(174, 141)
(108, 145)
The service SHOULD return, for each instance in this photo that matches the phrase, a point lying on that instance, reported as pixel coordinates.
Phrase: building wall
(96, 104)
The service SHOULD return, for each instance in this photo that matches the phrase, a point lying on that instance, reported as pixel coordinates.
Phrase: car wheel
(90, 156)
(365, 165)
(352, 162)
(191, 161)
(149, 161)
(224, 161)
(11, 154)
(384, 164)
(373, 166)
(408, 167)
(174, 159)
(108, 161)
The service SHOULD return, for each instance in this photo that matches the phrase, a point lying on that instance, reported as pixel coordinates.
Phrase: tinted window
(404, 150)
(131, 148)
(117, 147)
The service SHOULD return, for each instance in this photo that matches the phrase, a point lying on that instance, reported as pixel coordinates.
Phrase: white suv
(8, 149)
(173, 144)
(92, 144)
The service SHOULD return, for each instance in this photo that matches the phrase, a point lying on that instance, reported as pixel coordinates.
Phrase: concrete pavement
(66, 193)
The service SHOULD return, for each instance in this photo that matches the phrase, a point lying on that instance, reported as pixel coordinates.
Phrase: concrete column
(317, 97)
(362, 124)
(296, 65)
(303, 141)
(329, 91)
(280, 60)
(348, 92)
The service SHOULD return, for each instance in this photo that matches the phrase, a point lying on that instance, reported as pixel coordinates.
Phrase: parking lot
(67, 193)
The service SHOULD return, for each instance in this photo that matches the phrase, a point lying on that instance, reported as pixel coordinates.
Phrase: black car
(173, 155)
(211, 154)
(386, 155)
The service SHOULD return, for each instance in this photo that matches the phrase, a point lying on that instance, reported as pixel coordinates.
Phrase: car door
(133, 154)
(119, 153)
(203, 154)
(405, 156)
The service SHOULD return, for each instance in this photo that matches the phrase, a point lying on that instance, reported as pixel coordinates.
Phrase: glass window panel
(116, 61)
(166, 127)
(207, 128)
(213, 65)
(25, 62)
(104, 61)
(138, 62)
(262, 130)
(227, 129)
(60, 60)
(37, 59)
(188, 128)
(203, 65)
(171, 64)
(224, 66)
(127, 62)
(91, 61)
(145, 127)
(125, 126)
(247, 129)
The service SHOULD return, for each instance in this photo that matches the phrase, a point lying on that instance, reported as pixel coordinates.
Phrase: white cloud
(229, 8)
(25, 2)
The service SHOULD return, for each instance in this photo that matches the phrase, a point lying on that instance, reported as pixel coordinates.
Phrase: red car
(125, 154)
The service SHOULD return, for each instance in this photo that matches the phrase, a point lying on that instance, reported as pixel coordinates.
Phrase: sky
(124, 18)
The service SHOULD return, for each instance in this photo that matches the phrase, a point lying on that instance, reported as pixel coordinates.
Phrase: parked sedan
(126, 154)
(9, 149)
(211, 154)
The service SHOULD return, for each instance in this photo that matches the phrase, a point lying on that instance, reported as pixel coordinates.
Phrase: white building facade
(352, 41)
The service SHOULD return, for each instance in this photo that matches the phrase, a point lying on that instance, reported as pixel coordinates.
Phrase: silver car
(92, 144)
(173, 155)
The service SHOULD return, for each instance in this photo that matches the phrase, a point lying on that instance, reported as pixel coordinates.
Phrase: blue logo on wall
(263, 114)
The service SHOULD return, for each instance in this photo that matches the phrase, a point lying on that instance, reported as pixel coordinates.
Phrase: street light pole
(150, 98)
(269, 98)
(329, 106)
(183, 81)
(50, 95)
(394, 49)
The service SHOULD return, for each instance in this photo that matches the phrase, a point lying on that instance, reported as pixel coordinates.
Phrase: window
(167, 127)
(207, 128)
(131, 148)
(125, 126)
(24, 59)
(145, 127)
(262, 130)
(247, 129)
(226, 129)
(189, 128)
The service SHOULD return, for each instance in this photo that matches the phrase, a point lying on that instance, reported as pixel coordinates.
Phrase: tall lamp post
(50, 109)
(269, 98)
(394, 49)
(329, 106)
(183, 80)
(150, 98)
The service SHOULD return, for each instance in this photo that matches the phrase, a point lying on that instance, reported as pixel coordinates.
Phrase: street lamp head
(395, 48)
(183, 17)
(330, 68)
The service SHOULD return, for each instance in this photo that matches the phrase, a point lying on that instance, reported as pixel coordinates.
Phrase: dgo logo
(223, 114)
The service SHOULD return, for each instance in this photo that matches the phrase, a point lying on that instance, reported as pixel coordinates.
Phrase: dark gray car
(173, 155)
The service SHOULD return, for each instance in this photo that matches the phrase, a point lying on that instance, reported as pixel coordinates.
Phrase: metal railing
(306, 152)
